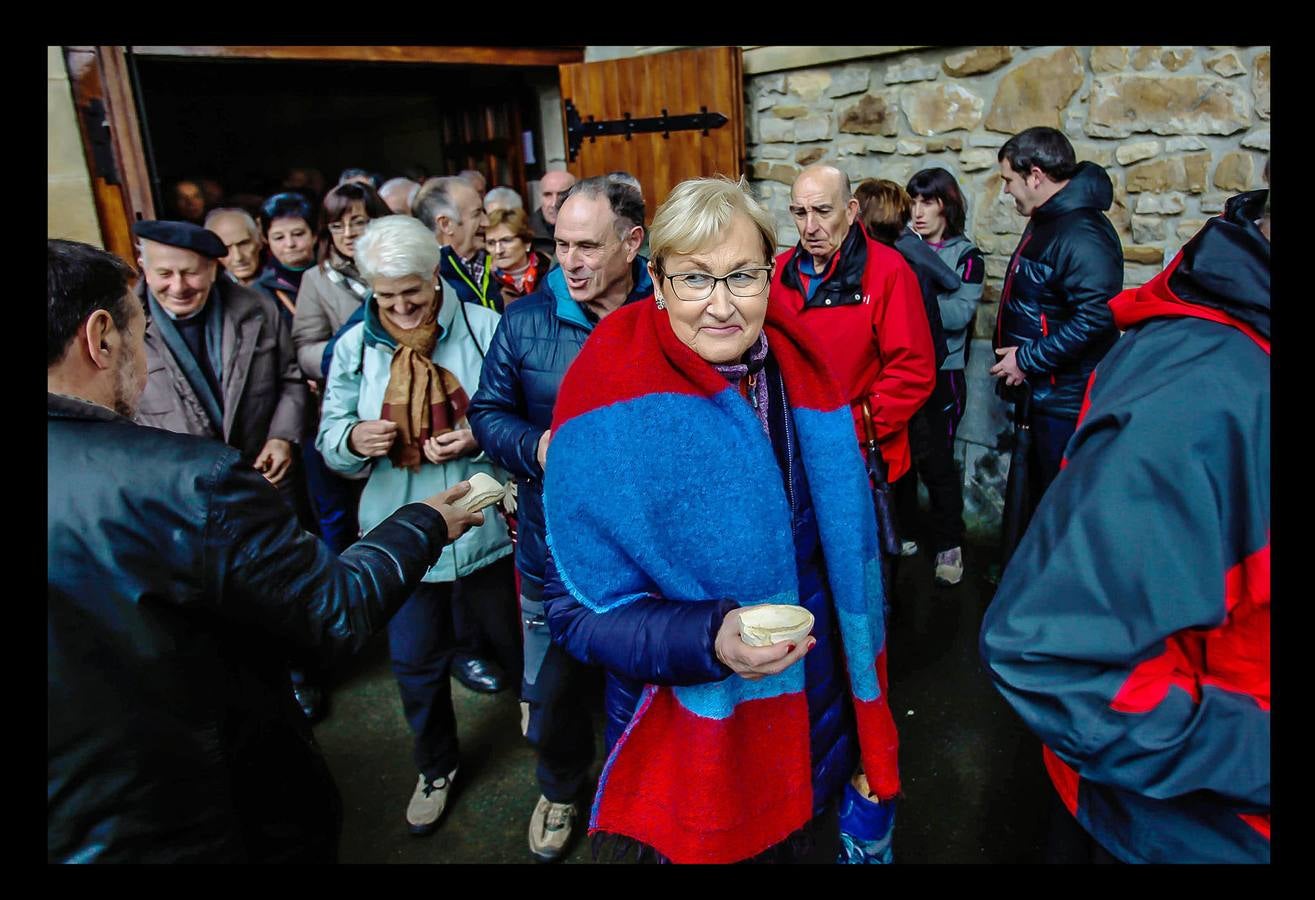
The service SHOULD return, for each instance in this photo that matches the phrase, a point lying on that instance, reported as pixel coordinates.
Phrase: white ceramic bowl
(774, 623)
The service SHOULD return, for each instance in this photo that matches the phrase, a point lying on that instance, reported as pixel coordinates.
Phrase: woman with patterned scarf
(702, 462)
(520, 269)
(395, 405)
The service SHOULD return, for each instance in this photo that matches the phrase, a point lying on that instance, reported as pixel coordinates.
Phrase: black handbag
(883, 499)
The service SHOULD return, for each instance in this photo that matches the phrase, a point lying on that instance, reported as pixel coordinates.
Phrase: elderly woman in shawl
(395, 402)
(703, 462)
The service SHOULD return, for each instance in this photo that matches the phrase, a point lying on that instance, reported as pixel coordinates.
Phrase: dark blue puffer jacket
(1055, 303)
(655, 641)
(539, 337)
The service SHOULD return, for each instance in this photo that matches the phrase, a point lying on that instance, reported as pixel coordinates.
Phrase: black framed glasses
(695, 286)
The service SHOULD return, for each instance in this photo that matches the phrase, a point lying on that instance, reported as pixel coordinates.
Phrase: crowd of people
(259, 445)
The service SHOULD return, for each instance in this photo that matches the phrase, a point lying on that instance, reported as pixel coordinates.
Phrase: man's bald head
(823, 207)
(552, 187)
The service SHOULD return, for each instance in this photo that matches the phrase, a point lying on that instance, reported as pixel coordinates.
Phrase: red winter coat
(868, 314)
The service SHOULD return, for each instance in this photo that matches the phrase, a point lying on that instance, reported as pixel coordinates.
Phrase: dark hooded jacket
(1131, 628)
(1055, 302)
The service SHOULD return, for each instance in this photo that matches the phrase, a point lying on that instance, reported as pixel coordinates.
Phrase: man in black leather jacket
(1054, 323)
(177, 581)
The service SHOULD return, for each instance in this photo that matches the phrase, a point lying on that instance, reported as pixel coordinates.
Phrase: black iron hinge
(577, 129)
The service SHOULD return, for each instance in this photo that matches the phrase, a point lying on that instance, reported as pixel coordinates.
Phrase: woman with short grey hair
(711, 481)
(395, 405)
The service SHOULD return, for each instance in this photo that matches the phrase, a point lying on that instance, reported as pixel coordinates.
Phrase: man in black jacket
(177, 582)
(1054, 323)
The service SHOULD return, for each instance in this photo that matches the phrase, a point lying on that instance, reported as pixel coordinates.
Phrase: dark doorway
(246, 123)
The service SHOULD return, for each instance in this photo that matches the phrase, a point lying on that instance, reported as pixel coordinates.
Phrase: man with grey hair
(453, 210)
(399, 193)
(552, 189)
(475, 179)
(502, 198)
(598, 234)
(241, 235)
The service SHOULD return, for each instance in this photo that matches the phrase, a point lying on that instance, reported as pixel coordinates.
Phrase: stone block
(1213, 203)
(1179, 144)
(1257, 140)
(910, 148)
(1175, 58)
(935, 108)
(809, 156)
(996, 266)
(774, 171)
(789, 112)
(1160, 204)
(771, 84)
(1176, 173)
(986, 139)
(1226, 65)
(1145, 57)
(813, 128)
(1165, 104)
(984, 422)
(1137, 151)
(1143, 254)
(996, 212)
(1148, 229)
(999, 244)
(773, 151)
(976, 61)
(808, 84)
(911, 70)
(772, 130)
(1260, 84)
(976, 159)
(1109, 59)
(849, 80)
(1034, 92)
(1235, 172)
(1089, 151)
(764, 101)
(1135, 275)
(850, 146)
(872, 114)
(1187, 228)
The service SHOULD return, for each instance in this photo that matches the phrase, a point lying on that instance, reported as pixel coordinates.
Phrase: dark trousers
(421, 641)
(556, 686)
(336, 500)
(931, 444)
(1050, 435)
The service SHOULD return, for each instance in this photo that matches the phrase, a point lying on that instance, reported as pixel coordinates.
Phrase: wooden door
(112, 142)
(681, 82)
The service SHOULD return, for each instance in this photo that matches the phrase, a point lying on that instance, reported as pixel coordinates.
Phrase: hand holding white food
(755, 662)
(459, 519)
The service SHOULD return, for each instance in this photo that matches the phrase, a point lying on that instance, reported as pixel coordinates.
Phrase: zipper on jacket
(1045, 332)
(1009, 281)
(789, 455)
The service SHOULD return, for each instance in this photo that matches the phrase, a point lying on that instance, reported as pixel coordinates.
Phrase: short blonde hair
(515, 219)
(395, 247)
(697, 213)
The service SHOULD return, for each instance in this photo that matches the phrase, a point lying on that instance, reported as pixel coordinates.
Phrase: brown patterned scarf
(422, 398)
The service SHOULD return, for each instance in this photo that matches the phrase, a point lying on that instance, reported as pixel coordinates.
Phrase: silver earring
(661, 303)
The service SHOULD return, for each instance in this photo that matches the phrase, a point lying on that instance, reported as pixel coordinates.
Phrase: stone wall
(1179, 129)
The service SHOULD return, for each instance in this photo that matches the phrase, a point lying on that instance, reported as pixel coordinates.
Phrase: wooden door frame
(118, 210)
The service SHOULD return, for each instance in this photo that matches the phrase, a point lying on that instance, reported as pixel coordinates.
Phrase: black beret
(182, 234)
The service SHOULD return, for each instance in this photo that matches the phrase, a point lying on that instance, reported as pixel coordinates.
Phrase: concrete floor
(974, 788)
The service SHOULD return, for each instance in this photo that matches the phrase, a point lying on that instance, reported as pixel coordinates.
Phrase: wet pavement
(974, 788)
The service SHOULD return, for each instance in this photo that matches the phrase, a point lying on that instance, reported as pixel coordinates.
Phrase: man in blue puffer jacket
(598, 235)
(1054, 323)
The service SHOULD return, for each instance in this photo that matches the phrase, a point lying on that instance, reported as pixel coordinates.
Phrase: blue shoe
(866, 828)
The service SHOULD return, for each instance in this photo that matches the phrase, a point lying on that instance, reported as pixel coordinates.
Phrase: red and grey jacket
(869, 316)
(1131, 628)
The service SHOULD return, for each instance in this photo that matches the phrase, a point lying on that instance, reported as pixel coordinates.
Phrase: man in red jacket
(861, 300)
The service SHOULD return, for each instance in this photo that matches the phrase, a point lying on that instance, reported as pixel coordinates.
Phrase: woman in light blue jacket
(395, 401)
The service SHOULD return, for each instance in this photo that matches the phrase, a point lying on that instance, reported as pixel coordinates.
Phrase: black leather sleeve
(262, 569)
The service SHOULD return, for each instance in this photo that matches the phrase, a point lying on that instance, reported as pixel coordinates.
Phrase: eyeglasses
(694, 286)
(356, 226)
(503, 242)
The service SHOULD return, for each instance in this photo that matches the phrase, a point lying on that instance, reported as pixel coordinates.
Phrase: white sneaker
(949, 567)
(909, 548)
(550, 829)
(427, 803)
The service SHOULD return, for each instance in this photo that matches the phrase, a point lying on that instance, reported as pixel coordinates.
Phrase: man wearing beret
(220, 360)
